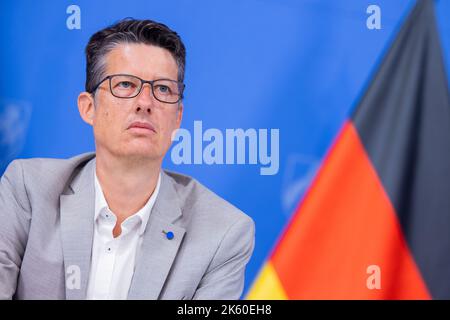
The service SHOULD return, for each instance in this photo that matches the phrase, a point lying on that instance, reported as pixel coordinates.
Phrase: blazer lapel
(158, 251)
(77, 229)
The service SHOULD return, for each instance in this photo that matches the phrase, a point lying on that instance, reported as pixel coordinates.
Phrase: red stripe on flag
(345, 224)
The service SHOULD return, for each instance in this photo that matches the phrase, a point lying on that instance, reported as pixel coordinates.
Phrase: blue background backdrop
(296, 65)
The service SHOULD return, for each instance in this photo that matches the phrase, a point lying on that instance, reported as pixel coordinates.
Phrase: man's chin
(140, 154)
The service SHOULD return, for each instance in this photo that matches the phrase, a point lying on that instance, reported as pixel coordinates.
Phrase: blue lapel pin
(169, 234)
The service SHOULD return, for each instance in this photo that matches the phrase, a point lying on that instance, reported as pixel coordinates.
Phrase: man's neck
(127, 184)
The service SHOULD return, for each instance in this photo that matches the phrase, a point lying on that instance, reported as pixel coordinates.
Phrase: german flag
(375, 223)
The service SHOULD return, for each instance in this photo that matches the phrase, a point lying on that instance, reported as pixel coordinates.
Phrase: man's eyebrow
(164, 77)
(155, 77)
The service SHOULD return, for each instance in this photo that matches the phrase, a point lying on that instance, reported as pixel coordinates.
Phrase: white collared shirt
(113, 259)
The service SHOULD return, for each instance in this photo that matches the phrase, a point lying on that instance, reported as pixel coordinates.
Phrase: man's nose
(145, 101)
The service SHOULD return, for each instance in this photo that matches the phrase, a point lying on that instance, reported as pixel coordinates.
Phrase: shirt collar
(143, 213)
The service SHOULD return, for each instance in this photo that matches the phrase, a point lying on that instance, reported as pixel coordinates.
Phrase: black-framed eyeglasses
(127, 86)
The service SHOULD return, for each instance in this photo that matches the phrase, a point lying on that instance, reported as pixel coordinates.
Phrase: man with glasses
(112, 224)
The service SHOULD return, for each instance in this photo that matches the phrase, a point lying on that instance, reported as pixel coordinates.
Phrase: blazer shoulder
(196, 199)
(48, 173)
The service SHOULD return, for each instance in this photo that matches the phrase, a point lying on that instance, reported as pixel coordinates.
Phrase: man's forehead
(143, 60)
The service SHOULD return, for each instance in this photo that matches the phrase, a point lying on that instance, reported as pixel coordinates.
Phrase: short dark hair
(130, 30)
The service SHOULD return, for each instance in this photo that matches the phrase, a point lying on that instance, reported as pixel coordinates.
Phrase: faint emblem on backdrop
(300, 171)
(14, 122)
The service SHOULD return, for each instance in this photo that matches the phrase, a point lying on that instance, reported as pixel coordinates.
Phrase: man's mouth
(142, 126)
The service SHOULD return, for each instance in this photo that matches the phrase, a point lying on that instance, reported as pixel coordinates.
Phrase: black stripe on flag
(404, 122)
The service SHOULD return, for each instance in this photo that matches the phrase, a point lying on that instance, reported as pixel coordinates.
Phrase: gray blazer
(47, 224)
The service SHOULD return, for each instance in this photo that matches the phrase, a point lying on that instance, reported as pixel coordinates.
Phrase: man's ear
(86, 107)
(179, 114)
